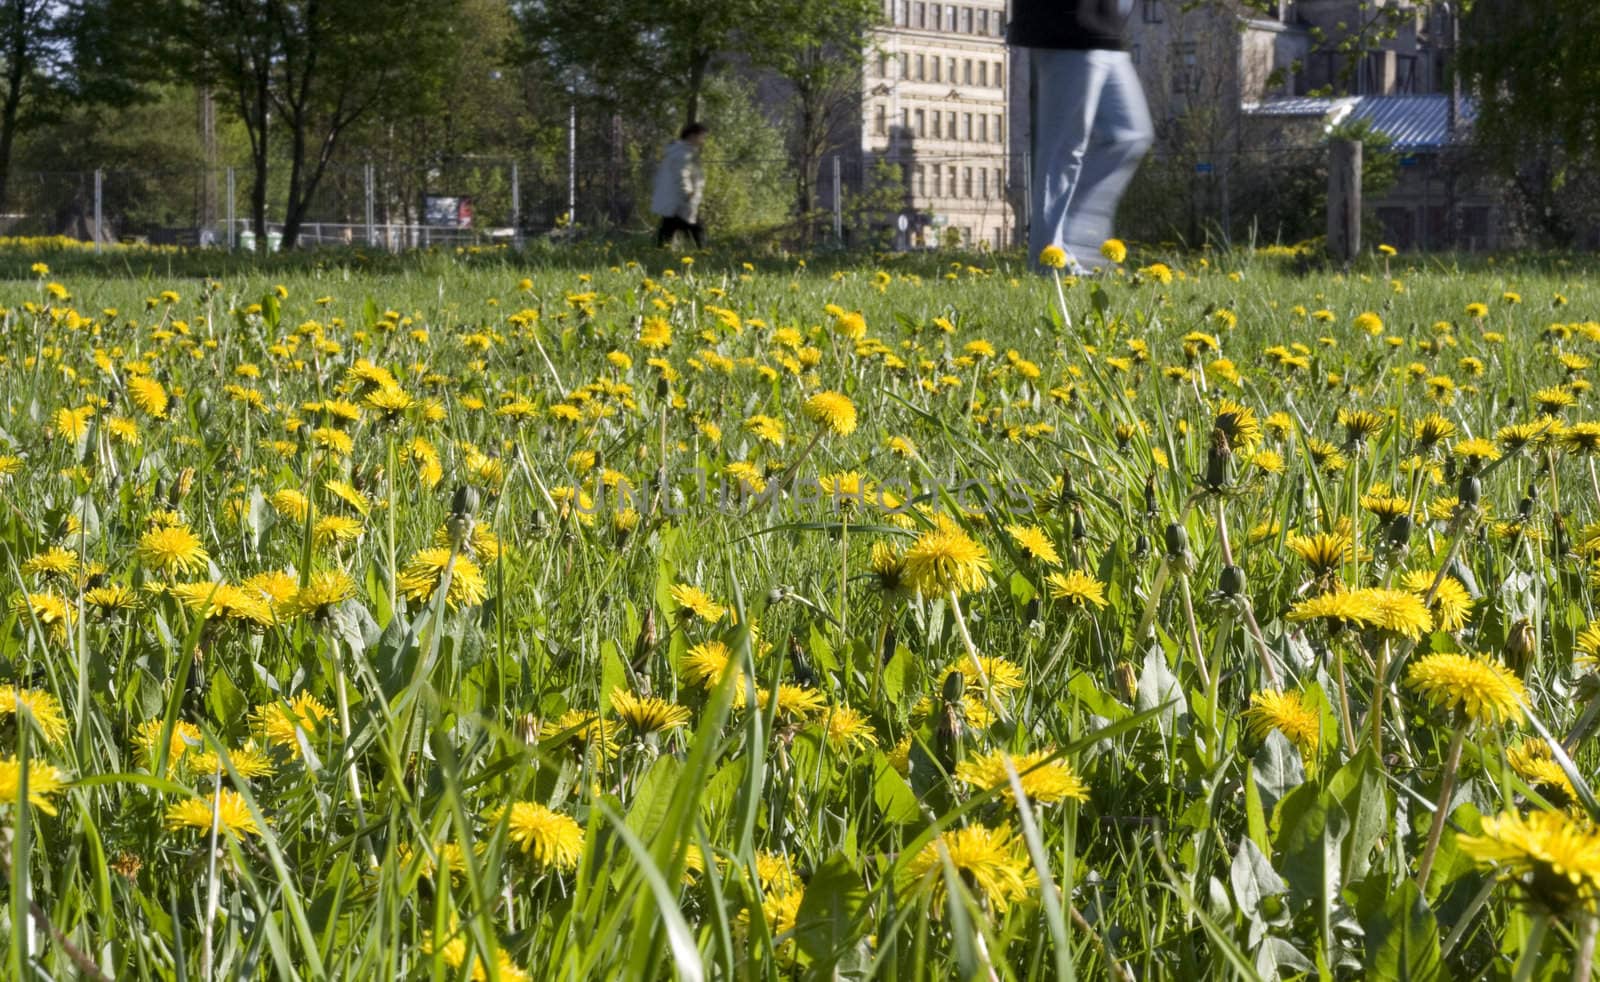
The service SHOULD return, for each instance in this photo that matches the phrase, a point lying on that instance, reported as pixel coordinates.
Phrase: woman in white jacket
(680, 184)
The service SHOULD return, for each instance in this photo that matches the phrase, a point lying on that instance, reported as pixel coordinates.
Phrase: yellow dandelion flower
(991, 861)
(832, 411)
(1033, 542)
(1042, 781)
(551, 839)
(44, 782)
(231, 815)
(421, 575)
(281, 724)
(1481, 690)
(1289, 714)
(44, 707)
(648, 714)
(172, 549)
(1077, 589)
(1553, 858)
(946, 559)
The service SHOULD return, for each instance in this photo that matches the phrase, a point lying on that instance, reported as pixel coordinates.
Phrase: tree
(636, 52)
(1534, 75)
(312, 69)
(815, 47)
(55, 48)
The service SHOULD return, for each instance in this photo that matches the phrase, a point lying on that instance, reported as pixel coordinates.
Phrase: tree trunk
(16, 73)
(698, 65)
(294, 209)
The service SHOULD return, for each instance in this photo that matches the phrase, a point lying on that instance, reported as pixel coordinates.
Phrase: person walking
(1090, 124)
(680, 184)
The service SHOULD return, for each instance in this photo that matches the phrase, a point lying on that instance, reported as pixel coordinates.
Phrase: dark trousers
(671, 225)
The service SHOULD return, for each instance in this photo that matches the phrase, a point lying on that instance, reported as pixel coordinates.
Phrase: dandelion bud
(1520, 647)
(955, 686)
(889, 640)
(1469, 491)
(645, 644)
(803, 674)
(1218, 459)
(1031, 612)
(1230, 583)
(1150, 496)
(661, 388)
(1069, 494)
(1399, 531)
(1127, 681)
(465, 501)
(1079, 532)
(1141, 546)
(1177, 540)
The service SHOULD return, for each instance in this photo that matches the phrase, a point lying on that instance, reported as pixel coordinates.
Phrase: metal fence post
(98, 175)
(838, 203)
(369, 199)
(1025, 233)
(516, 206)
(232, 233)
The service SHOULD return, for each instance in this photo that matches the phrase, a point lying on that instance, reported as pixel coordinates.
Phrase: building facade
(936, 93)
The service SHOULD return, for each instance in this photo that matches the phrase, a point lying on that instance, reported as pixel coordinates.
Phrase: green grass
(755, 841)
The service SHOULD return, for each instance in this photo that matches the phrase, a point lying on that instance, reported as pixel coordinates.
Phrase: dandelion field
(696, 619)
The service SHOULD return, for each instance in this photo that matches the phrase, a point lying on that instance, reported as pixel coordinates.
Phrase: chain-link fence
(907, 198)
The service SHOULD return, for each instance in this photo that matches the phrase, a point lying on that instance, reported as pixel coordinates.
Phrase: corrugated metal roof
(1297, 106)
(1413, 122)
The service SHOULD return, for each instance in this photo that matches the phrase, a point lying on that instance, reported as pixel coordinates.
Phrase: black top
(1077, 25)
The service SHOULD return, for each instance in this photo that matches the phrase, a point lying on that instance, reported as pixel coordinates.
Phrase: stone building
(936, 92)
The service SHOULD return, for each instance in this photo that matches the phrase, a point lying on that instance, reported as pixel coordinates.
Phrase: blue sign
(1203, 168)
(1409, 160)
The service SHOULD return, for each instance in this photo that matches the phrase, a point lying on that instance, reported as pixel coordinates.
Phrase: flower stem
(1529, 959)
(972, 653)
(1447, 787)
(1583, 964)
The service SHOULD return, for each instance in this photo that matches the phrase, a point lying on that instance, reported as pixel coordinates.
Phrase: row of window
(939, 125)
(950, 17)
(932, 68)
(949, 181)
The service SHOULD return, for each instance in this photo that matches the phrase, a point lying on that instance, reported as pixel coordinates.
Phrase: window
(950, 70)
(983, 127)
(983, 22)
(966, 127)
(921, 68)
(905, 64)
(920, 121)
(883, 120)
(950, 174)
(938, 125)
(883, 65)
(998, 137)
(983, 182)
(900, 12)
(1185, 69)
(966, 21)
(966, 182)
(999, 75)
(983, 74)
(999, 183)
(966, 71)
(1152, 11)
(950, 129)
(938, 68)
(919, 15)
(938, 180)
(921, 181)
(935, 12)
(905, 119)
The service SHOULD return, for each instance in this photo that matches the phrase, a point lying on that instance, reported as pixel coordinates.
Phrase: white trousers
(1091, 127)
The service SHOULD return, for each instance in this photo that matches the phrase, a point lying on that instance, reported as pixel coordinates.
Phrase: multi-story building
(936, 92)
